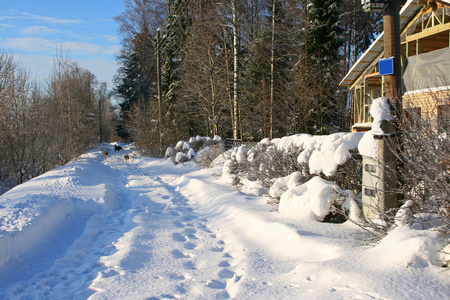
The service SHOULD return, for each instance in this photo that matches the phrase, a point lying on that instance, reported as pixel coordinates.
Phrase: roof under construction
(408, 11)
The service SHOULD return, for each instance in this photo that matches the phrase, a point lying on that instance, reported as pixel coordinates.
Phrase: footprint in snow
(217, 249)
(187, 218)
(189, 265)
(205, 228)
(178, 237)
(223, 295)
(224, 264)
(178, 224)
(190, 232)
(225, 273)
(216, 284)
(178, 254)
(190, 246)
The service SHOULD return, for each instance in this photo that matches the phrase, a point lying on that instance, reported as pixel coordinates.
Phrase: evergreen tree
(137, 75)
(172, 43)
(322, 50)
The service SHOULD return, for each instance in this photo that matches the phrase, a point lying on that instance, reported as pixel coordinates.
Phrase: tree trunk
(272, 62)
(235, 71)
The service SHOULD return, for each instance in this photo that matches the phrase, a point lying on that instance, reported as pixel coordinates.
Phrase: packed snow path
(147, 229)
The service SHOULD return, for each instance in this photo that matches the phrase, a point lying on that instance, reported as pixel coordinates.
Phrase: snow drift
(149, 229)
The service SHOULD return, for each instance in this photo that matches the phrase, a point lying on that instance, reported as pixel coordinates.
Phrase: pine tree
(137, 75)
(173, 38)
(322, 50)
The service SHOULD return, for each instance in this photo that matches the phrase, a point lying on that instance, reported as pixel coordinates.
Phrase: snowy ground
(106, 229)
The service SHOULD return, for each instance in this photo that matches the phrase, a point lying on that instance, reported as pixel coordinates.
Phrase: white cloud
(34, 44)
(111, 38)
(32, 30)
(30, 44)
(6, 18)
(90, 48)
(52, 20)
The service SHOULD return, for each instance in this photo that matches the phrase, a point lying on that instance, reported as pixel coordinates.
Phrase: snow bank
(332, 152)
(34, 211)
(25, 224)
(408, 247)
(243, 221)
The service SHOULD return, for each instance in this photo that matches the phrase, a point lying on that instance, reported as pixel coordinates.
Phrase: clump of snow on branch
(283, 184)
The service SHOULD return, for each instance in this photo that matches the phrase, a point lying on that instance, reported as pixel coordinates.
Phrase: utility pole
(392, 48)
(380, 175)
(100, 119)
(158, 74)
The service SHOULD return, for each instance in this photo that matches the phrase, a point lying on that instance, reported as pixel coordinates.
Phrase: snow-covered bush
(283, 165)
(263, 162)
(320, 199)
(208, 154)
(332, 157)
(199, 149)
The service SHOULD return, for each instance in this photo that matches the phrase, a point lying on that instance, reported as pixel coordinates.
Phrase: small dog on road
(117, 148)
(105, 153)
(126, 157)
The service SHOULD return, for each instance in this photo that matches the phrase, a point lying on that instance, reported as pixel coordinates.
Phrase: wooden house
(425, 45)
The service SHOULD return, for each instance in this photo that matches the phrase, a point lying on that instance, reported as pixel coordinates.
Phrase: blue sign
(386, 66)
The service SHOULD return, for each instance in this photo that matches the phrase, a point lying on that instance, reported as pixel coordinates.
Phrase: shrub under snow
(299, 170)
(197, 148)
(318, 198)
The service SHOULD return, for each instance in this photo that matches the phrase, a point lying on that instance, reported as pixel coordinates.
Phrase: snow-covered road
(107, 229)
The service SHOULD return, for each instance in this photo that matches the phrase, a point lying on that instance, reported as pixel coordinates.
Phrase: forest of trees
(48, 123)
(242, 69)
(246, 69)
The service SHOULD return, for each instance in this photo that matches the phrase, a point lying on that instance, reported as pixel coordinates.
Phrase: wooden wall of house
(429, 105)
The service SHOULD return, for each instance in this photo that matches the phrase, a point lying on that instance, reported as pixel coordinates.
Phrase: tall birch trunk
(272, 62)
(235, 71)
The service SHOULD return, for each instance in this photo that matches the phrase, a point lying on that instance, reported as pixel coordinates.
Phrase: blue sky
(35, 30)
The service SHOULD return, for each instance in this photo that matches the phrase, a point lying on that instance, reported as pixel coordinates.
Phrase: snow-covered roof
(408, 11)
